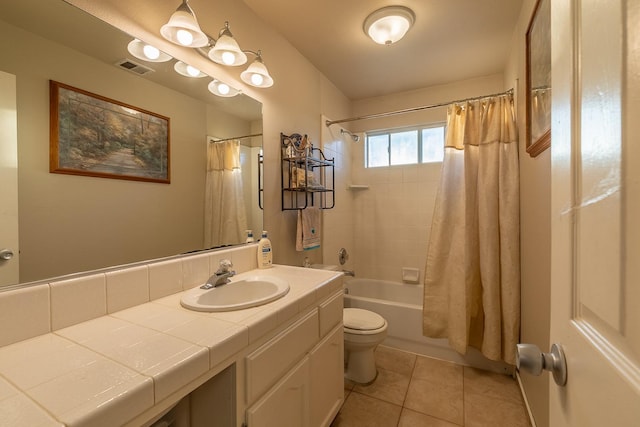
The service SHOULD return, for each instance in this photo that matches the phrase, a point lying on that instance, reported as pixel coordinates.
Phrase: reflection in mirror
(539, 79)
(72, 223)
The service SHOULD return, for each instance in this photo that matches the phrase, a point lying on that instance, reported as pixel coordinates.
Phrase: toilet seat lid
(362, 320)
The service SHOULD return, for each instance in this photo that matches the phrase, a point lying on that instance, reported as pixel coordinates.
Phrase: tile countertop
(106, 371)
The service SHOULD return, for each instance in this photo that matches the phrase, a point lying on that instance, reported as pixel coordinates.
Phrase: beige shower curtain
(225, 218)
(472, 277)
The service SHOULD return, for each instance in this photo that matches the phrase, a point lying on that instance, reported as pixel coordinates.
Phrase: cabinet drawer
(331, 313)
(268, 363)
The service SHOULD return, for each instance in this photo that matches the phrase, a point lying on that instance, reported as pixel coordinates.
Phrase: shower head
(353, 136)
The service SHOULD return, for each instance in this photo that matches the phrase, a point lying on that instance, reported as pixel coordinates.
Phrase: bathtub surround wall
(393, 218)
(397, 207)
(339, 223)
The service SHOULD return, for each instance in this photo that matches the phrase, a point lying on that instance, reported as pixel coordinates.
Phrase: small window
(432, 144)
(405, 146)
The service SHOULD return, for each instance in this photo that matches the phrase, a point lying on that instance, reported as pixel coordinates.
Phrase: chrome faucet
(349, 273)
(221, 276)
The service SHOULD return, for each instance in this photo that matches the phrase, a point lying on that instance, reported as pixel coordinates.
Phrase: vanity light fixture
(219, 88)
(146, 52)
(257, 74)
(389, 24)
(183, 28)
(187, 70)
(226, 50)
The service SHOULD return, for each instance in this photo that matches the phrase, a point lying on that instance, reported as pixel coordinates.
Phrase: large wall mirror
(70, 223)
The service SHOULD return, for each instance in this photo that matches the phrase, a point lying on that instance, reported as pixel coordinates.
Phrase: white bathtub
(401, 305)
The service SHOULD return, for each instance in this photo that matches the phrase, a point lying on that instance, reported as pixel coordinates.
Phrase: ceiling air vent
(134, 67)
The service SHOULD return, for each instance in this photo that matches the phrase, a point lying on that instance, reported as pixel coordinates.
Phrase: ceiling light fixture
(146, 52)
(389, 24)
(219, 88)
(183, 29)
(187, 70)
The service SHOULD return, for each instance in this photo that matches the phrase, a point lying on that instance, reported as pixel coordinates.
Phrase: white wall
(535, 232)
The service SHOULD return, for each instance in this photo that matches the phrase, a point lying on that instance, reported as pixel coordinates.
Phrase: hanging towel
(308, 235)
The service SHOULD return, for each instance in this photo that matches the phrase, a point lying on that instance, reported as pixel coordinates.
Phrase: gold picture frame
(92, 135)
(538, 79)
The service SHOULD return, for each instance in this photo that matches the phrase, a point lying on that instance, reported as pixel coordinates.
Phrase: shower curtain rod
(412, 110)
(236, 137)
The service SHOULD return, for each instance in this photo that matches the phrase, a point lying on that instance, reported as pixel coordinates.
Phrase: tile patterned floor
(418, 391)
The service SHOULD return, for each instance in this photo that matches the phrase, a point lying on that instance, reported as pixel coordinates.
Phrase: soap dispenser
(265, 255)
(249, 236)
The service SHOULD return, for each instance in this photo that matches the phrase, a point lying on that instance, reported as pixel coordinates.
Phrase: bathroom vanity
(280, 363)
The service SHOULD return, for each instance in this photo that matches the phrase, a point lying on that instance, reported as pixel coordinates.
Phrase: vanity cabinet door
(327, 378)
(271, 361)
(286, 404)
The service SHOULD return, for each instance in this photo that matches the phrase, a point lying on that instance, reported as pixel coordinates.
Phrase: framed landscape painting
(96, 136)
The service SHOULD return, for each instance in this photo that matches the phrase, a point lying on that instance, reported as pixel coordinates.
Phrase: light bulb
(223, 88)
(228, 57)
(184, 37)
(151, 52)
(193, 71)
(257, 79)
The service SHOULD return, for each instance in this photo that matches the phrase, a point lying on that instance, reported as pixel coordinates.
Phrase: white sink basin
(250, 291)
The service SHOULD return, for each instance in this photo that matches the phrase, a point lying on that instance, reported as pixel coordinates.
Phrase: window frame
(389, 132)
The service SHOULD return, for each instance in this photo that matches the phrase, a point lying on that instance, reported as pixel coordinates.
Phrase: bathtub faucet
(349, 273)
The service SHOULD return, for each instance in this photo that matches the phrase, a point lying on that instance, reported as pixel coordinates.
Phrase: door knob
(530, 359)
(6, 254)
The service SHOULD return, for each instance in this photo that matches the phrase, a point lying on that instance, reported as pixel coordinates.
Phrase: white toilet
(363, 331)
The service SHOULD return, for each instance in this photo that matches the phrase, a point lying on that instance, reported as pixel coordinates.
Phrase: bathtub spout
(349, 273)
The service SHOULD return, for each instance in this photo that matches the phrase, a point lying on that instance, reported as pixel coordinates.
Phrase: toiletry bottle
(249, 236)
(265, 256)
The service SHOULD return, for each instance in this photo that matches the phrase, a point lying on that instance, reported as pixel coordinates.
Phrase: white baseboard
(526, 401)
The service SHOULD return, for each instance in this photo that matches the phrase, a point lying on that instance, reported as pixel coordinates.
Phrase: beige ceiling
(451, 40)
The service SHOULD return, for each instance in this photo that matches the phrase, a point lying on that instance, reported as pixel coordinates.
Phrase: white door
(595, 275)
(8, 180)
